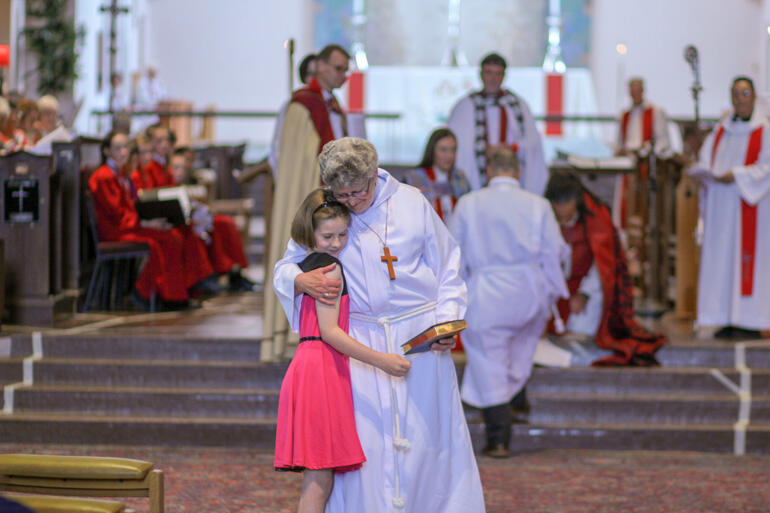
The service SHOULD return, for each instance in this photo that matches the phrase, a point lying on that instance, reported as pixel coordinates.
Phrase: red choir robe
(142, 179)
(117, 220)
(226, 248)
(596, 238)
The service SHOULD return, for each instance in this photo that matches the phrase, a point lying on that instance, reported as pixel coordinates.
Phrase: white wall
(229, 53)
(730, 35)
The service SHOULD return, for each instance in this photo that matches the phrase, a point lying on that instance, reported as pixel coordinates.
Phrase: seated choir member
(225, 246)
(167, 271)
(141, 176)
(153, 149)
(601, 301)
(436, 175)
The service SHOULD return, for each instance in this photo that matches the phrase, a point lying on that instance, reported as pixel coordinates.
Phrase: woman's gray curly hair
(347, 162)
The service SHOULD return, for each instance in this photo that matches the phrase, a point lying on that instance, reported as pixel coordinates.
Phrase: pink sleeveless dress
(316, 425)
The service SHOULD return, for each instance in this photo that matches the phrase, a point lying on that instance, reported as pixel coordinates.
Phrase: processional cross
(114, 11)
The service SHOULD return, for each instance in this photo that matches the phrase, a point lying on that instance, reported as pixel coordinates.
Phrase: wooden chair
(122, 253)
(82, 476)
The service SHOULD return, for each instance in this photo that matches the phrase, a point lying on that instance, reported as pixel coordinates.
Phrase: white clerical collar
(504, 179)
(160, 160)
(113, 165)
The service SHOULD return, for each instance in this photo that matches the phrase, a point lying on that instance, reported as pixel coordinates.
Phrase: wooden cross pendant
(387, 257)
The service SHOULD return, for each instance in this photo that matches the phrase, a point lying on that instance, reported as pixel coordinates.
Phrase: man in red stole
(734, 169)
(587, 227)
(638, 127)
(313, 118)
(494, 116)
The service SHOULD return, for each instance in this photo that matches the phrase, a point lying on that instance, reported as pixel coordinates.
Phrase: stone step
(145, 401)
(59, 428)
(156, 348)
(715, 354)
(56, 428)
(553, 409)
(710, 438)
(622, 381)
(11, 370)
(158, 373)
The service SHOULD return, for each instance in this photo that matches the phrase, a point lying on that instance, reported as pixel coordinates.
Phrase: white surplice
(635, 130)
(534, 171)
(514, 257)
(438, 474)
(720, 301)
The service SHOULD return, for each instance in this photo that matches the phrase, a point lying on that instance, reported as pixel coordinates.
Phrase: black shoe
(239, 283)
(736, 333)
(498, 451)
(206, 287)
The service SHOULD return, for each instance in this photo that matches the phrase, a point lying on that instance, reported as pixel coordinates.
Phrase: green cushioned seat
(49, 504)
(72, 467)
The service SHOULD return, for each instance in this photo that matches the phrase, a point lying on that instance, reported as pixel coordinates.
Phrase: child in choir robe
(117, 220)
(316, 431)
(219, 232)
(437, 177)
(140, 176)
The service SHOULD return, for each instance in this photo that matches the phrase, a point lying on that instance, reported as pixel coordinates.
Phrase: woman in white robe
(413, 429)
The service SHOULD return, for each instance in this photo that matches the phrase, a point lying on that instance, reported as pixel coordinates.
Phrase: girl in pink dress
(316, 431)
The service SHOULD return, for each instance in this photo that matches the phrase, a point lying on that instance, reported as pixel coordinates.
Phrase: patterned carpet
(554, 481)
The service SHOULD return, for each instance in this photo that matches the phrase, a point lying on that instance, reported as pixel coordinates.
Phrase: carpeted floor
(554, 481)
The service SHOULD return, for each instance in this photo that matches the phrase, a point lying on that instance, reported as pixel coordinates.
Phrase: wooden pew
(82, 476)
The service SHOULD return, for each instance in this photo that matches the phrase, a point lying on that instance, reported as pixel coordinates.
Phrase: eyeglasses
(355, 194)
(745, 93)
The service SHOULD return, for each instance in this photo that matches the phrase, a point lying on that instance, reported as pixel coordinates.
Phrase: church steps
(612, 436)
(152, 347)
(55, 427)
(621, 381)
(647, 409)
(11, 370)
(159, 373)
(715, 354)
(236, 403)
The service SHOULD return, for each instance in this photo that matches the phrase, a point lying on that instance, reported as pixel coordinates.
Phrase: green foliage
(51, 36)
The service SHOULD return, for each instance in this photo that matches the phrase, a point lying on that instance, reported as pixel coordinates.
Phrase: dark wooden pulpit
(31, 224)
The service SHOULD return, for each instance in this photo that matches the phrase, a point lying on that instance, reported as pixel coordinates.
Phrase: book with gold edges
(423, 341)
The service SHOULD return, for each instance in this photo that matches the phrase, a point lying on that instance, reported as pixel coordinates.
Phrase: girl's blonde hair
(318, 206)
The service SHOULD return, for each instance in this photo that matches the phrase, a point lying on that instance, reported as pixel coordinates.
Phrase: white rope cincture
(743, 391)
(399, 443)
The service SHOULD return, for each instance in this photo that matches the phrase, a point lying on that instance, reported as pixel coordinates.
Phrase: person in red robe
(224, 242)
(587, 227)
(140, 177)
(152, 173)
(166, 272)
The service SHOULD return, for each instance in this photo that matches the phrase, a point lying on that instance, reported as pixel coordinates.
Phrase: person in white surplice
(734, 168)
(495, 116)
(413, 429)
(513, 257)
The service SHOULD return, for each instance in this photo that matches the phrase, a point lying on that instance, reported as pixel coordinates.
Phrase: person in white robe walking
(413, 429)
(513, 257)
(734, 169)
(495, 116)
